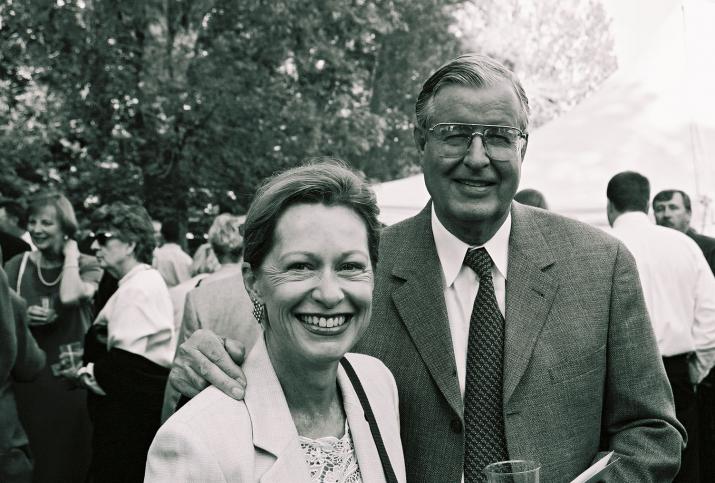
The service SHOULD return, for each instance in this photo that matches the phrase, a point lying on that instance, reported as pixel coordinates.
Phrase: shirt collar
(451, 250)
(631, 218)
(136, 269)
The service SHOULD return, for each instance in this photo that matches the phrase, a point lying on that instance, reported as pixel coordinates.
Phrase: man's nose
(94, 245)
(328, 291)
(476, 157)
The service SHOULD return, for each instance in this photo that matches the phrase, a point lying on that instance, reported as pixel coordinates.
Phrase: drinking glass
(513, 471)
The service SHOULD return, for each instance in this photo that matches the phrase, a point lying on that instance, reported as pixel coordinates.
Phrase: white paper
(593, 470)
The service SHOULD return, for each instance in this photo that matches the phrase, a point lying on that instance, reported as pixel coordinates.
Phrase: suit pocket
(580, 366)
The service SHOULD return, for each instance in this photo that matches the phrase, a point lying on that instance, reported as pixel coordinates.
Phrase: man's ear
(250, 282)
(420, 137)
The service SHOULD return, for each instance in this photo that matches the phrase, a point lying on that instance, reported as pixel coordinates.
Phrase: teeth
(336, 321)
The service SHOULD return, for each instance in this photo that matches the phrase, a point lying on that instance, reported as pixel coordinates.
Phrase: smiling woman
(311, 237)
(58, 283)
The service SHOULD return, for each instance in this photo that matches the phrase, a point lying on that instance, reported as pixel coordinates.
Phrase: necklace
(42, 279)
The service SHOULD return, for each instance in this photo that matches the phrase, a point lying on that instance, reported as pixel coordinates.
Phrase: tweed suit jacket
(222, 306)
(215, 438)
(582, 373)
(706, 244)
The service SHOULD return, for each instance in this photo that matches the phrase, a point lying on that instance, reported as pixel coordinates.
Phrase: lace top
(331, 460)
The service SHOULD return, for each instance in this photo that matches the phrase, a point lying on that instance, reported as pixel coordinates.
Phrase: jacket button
(456, 426)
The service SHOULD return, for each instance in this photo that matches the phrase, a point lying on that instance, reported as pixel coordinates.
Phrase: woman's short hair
(225, 236)
(62, 206)
(204, 260)
(319, 181)
(133, 224)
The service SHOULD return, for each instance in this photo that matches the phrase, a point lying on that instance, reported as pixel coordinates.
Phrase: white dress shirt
(461, 283)
(678, 287)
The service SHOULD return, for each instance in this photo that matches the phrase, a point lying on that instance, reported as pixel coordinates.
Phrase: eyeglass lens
(500, 143)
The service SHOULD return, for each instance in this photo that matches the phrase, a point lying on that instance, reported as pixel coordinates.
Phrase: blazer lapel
(365, 450)
(420, 302)
(273, 428)
(529, 295)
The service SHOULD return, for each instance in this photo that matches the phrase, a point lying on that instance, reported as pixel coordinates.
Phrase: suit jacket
(225, 308)
(214, 438)
(706, 244)
(21, 359)
(582, 373)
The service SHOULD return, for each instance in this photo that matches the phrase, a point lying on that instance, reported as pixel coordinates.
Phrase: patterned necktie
(485, 440)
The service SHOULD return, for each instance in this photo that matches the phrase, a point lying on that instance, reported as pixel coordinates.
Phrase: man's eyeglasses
(501, 143)
(103, 237)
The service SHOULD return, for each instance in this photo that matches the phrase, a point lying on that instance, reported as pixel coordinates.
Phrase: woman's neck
(50, 258)
(125, 268)
(312, 393)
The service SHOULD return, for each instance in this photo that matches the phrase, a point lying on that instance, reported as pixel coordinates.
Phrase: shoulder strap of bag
(370, 417)
(21, 272)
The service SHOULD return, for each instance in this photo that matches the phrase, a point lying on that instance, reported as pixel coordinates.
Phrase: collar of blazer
(420, 299)
(275, 432)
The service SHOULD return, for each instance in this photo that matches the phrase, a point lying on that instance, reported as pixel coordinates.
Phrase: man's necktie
(485, 441)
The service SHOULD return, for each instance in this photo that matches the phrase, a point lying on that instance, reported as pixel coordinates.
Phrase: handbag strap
(370, 417)
(21, 272)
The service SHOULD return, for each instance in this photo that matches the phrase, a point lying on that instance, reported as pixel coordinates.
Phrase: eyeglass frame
(521, 134)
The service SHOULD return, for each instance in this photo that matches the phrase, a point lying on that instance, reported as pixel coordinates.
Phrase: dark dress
(52, 411)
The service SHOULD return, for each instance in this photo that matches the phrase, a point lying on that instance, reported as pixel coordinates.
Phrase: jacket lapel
(365, 450)
(529, 294)
(420, 302)
(273, 428)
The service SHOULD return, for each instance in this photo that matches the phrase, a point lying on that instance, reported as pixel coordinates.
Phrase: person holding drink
(58, 283)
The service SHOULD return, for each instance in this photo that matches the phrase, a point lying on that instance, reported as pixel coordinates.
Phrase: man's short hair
(469, 70)
(531, 197)
(629, 191)
(16, 210)
(667, 195)
(225, 236)
(170, 230)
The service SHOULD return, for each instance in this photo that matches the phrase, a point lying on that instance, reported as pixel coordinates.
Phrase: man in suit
(512, 333)
(672, 208)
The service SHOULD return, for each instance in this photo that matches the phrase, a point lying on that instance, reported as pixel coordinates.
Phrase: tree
(185, 106)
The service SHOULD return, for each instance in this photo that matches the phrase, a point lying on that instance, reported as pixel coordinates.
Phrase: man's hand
(204, 359)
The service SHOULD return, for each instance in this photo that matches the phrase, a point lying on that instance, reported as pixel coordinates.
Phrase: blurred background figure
(218, 306)
(14, 238)
(58, 284)
(203, 265)
(672, 208)
(129, 347)
(156, 224)
(679, 291)
(170, 260)
(21, 359)
(531, 197)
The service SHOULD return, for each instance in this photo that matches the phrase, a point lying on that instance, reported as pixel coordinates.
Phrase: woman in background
(58, 283)
(129, 347)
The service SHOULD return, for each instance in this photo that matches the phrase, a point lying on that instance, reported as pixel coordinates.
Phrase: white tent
(655, 115)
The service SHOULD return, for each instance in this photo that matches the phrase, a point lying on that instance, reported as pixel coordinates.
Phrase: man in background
(531, 197)
(13, 219)
(679, 292)
(170, 259)
(672, 209)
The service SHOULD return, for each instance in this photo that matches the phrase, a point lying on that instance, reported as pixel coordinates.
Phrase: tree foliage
(185, 105)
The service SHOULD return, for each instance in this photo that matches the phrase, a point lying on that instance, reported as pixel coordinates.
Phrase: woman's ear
(250, 282)
(131, 246)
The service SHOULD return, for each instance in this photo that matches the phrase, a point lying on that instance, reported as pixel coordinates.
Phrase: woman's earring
(257, 310)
